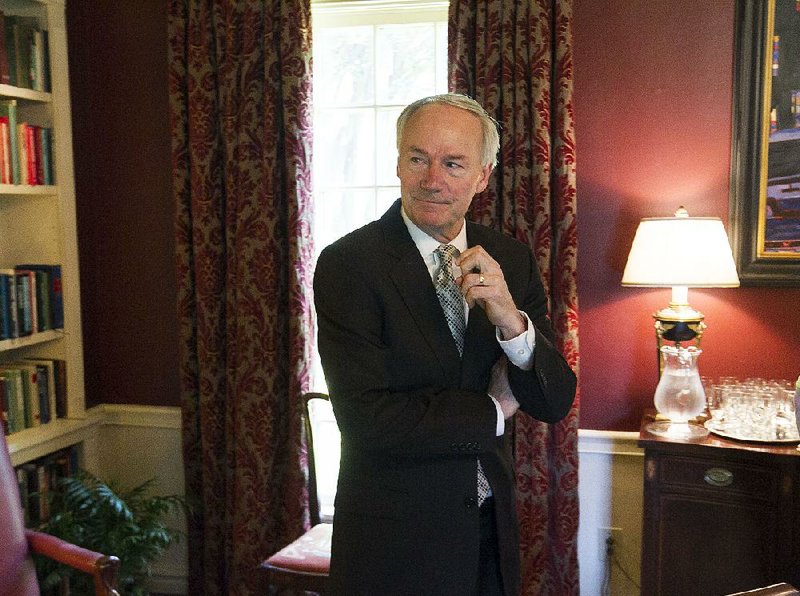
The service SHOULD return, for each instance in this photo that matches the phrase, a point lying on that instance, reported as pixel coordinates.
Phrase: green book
(16, 399)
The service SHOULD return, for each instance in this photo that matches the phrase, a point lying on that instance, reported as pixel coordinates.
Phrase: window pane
(386, 196)
(337, 212)
(441, 58)
(404, 60)
(344, 148)
(386, 132)
(344, 66)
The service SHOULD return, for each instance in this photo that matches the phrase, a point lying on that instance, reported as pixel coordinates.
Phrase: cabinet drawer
(732, 477)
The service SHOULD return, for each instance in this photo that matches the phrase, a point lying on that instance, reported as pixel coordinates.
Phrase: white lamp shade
(681, 251)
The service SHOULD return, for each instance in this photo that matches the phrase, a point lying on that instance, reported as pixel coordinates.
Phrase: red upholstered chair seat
(311, 553)
(304, 564)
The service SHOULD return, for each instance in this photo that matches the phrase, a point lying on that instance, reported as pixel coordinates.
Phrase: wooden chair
(17, 573)
(782, 589)
(304, 564)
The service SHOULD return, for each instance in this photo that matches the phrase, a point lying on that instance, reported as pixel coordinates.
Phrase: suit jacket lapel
(413, 282)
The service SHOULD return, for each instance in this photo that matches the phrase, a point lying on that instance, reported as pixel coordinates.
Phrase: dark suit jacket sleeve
(547, 391)
(386, 401)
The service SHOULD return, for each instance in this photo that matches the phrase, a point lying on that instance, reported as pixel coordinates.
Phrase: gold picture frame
(765, 160)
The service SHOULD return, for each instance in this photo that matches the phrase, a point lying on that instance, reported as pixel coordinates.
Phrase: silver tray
(709, 424)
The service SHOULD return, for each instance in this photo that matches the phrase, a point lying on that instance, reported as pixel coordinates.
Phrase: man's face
(439, 166)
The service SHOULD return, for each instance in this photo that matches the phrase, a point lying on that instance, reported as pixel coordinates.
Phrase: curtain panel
(515, 58)
(240, 97)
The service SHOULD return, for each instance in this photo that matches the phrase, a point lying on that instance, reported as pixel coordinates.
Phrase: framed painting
(765, 160)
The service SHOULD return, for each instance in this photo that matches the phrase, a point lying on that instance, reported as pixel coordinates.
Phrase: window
(371, 59)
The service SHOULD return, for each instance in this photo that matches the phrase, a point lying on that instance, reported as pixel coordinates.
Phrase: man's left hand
(482, 283)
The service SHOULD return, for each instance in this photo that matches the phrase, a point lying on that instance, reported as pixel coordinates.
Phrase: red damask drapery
(240, 90)
(515, 58)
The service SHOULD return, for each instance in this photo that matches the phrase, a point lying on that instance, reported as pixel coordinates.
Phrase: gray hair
(491, 138)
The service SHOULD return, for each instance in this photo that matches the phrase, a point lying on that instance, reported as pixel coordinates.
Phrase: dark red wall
(118, 72)
(653, 92)
(653, 117)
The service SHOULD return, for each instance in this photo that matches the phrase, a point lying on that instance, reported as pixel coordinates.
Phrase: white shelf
(32, 443)
(21, 93)
(30, 340)
(27, 189)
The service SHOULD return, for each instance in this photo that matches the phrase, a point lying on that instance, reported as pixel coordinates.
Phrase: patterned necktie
(453, 306)
(450, 295)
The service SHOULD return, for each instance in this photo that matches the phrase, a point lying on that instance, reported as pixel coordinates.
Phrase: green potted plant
(101, 517)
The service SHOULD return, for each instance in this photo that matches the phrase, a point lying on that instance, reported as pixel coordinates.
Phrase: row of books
(24, 53)
(33, 391)
(38, 478)
(31, 300)
(26, 150)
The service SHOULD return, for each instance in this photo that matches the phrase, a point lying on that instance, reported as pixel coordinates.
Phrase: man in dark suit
(423, 385)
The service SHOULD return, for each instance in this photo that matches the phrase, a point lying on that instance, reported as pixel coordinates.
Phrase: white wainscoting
(610, 487)
(136, 443)
(141, 442)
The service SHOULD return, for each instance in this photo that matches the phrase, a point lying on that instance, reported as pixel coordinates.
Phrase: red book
(30, 144)
(5, 152)
(37, 150)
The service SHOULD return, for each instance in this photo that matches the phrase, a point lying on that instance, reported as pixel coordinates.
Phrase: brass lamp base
(677, 323)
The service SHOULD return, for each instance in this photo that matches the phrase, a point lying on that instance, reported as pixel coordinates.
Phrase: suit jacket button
(470, 502)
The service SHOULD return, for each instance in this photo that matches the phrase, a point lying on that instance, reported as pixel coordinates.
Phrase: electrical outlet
(610, 541)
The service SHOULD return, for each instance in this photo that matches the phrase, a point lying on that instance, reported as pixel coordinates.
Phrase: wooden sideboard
(720, 516)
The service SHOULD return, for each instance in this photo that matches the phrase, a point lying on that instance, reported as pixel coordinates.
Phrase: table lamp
(680, 252)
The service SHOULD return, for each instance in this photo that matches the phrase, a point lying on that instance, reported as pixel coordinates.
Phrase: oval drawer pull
(718, 477)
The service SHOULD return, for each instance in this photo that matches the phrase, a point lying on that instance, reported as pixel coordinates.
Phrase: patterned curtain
(515, 58)
(240, 93)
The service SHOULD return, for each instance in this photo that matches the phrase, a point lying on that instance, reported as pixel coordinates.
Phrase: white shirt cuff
(501, 422)
(519, 349)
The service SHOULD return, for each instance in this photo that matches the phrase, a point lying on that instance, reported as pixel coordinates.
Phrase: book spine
(44, 314)
(24, 321)
(46, 60)
(30, 150)
(5, 317)
(3, 405)
(47, 155)
(4, 75)
(37, 61)
(5, 158)
(13, 311)
(43, 396)
(16, 398)
(22, 151)
(56, 296)
(60, 367)
(11, 55)
(22, 484)
(27, 300)
(37, 145)
(10, 110)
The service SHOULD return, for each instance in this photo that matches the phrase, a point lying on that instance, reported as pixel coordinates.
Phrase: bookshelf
(38, 225)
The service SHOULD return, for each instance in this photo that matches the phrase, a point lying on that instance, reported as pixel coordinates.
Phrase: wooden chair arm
(103, 568)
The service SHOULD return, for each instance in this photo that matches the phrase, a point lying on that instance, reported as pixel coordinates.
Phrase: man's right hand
(500, 389)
